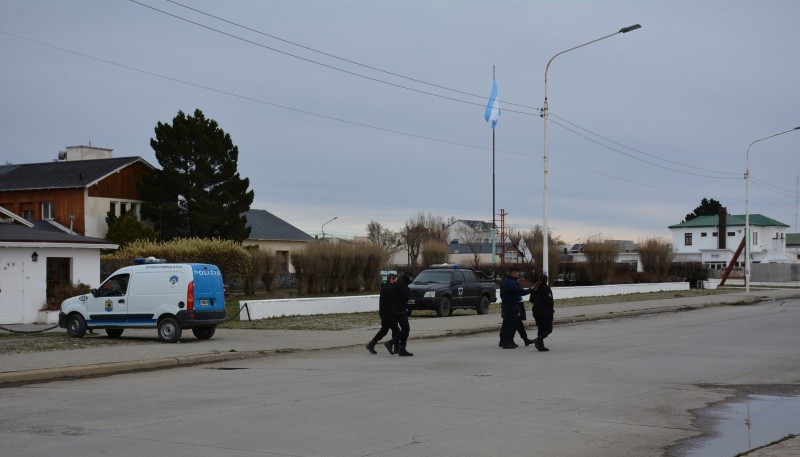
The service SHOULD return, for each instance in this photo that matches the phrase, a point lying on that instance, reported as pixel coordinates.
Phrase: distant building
(272, 234)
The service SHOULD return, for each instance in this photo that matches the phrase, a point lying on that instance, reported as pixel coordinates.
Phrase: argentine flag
(493, 108)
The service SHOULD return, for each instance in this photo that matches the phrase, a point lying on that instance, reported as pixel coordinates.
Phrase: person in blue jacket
(511, 293)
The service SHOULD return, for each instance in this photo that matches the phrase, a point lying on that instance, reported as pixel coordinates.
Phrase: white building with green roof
(713, 240)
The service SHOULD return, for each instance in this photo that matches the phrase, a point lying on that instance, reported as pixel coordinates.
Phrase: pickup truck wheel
(204, 333)
(169, 331)
(443, 309)
(483, 306)
(76, 325)
(114, 332)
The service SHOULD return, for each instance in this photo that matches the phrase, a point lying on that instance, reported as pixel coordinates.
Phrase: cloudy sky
(373, 110)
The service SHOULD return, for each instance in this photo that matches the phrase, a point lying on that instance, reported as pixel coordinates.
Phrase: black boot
(371, 347)
(539, 343)
(389, 346)
(403, 352)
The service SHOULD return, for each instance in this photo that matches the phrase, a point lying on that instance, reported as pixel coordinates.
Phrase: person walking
(402, 315)
(542, 310)
(511, 292)
(523, 316)
(387, 309)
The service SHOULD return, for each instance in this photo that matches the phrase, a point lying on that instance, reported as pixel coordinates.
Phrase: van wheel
(204, 333)
(443, 309)
(114, 332)
(483, 306)
(169, 331)
(76, 325)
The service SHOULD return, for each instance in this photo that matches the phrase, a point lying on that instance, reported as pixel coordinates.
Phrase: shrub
(231, 258)
(656, 257)
(435, 251)
(61, 291)
(601, 259)
(689, 271)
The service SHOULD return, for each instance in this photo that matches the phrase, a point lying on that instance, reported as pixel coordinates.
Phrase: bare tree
(600, 261)
(421, 228)
(474, 241)
(656, 257)
(533, 239)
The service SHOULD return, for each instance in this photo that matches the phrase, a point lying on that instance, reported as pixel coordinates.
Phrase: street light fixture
(545, 228)
(323, 226)
(747, 208)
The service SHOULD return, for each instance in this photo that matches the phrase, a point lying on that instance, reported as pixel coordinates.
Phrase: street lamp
(747, 208)
(323, 226)
(545, 228)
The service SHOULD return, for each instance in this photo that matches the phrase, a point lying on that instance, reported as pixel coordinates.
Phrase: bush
(689, 271)
(435, 251)
(601, 259)
(327, 268)
(231, 258)
(656, 257)
(57, 293)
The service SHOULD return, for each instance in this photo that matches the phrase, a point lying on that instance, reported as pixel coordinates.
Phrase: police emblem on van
(173, 280)
(109, 305)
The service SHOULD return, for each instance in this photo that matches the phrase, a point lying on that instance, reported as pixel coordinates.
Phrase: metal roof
(17, 233)
(732, 220)
(61, 174)
(267, 226)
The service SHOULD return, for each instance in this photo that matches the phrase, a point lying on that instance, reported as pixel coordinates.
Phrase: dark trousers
(544, 324)
(508, 329)
(405, 328)
(521, 330)
(386, 324)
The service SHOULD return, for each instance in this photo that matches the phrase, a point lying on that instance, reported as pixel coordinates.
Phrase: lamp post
(747, 208)
(323, 226)
(545, 228)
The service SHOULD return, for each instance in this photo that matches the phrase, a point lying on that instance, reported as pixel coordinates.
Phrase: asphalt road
(617, 387)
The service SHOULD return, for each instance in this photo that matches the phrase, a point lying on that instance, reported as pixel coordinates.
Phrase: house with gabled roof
(37, 255)
(713, 240)
(272, 234)
(76, 191)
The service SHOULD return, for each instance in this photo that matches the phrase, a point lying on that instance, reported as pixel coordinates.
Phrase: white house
(33, 255)
(713, 240)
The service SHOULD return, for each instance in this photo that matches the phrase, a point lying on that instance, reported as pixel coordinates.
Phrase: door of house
(12, 307)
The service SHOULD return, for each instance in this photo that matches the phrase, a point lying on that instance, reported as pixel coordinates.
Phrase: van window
(115, 286)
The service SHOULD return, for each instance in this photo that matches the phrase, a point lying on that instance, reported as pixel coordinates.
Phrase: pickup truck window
(438, 277)
(469, 276)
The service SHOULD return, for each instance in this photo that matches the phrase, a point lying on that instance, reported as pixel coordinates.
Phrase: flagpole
(494, 225)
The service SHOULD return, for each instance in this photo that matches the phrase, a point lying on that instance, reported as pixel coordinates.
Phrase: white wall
(32, 281)
(262, 309)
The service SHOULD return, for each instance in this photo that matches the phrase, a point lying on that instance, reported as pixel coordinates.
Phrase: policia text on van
(167, 296)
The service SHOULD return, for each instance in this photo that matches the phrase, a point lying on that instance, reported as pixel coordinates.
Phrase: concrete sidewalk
(230, 344)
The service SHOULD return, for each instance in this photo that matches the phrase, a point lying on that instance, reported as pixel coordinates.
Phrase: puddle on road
(743, 424)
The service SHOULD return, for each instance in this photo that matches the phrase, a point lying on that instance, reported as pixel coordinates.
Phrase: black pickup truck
(446, 287)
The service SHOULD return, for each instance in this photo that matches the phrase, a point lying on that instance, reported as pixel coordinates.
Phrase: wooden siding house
(74, 194)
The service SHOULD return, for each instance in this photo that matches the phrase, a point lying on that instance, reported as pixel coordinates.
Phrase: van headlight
(430, 294)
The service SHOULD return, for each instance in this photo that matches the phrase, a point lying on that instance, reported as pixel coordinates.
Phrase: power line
(331, 67)
(310, 113)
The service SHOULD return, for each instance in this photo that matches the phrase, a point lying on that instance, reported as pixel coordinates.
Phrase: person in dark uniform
(523, 316)
(388, 312)
(402, 315)
(511, 292)
(543, 310)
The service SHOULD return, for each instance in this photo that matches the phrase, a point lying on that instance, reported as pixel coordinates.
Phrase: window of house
(687, 239)
(59, 270)
(755, 238)
(135, 209)
(27, 215)
(702, 234)
(731, 233)
(123, 208)
(112, 208)
(47, 210)
(714, 234)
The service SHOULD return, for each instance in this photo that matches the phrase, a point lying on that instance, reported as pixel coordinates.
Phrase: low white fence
(261, 309)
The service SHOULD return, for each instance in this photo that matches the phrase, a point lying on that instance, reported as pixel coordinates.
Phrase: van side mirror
(93, 292)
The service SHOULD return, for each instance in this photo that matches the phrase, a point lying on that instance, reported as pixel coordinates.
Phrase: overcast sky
(373, 110)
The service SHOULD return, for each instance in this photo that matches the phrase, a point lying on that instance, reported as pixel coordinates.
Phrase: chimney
(722, 231)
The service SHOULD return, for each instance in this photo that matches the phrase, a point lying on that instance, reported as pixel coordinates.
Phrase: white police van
(151, 294)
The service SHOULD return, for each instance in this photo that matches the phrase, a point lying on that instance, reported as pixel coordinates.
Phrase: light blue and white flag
(493, 108)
